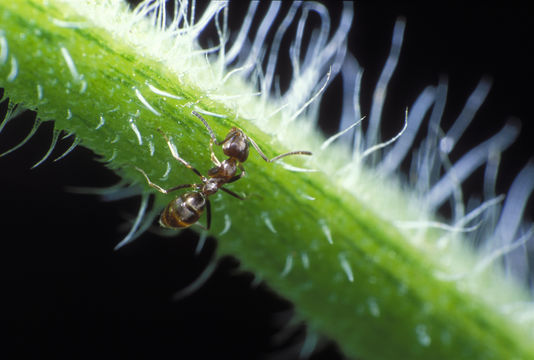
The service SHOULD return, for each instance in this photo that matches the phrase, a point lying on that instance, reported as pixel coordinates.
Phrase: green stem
(350, 273)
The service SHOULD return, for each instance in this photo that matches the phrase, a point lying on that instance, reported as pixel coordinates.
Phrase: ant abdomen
(183, 211)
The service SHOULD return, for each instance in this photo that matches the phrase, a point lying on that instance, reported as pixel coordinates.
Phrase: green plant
(113, 91)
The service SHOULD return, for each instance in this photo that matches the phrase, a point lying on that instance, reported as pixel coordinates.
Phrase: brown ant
(185, 210)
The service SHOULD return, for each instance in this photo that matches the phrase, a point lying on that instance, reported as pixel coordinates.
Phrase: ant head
(237, 145)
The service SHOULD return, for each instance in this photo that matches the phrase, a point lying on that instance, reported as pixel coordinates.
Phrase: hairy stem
(351, 274)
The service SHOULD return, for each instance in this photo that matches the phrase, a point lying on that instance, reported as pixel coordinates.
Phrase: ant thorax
(226, 169)
(212, 185)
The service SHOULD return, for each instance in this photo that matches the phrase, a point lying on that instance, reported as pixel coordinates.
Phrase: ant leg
(213, 138)
(210, 130)
(230, 192)
(208, 214)
(213, 157)
(276, 157)
(212, 134)
(177, 157)
(237, 177)
(159, 188)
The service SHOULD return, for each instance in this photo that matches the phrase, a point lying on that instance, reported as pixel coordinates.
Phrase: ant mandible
(185, 210)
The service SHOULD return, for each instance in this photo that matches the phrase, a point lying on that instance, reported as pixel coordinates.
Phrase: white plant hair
(242, 68)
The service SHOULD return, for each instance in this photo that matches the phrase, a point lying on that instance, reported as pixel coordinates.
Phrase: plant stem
(350, 273)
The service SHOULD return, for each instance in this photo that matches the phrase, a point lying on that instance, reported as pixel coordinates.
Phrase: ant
(186, 209)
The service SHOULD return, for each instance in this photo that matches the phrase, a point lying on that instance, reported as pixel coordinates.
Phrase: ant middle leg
(230, 192)
(159, 188)
(176, 156)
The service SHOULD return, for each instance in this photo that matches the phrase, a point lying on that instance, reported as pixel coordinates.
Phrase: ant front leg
(213, 139)
(231, 135)
(159, 188)
(299, 152)
(237, 177)
(212, 134)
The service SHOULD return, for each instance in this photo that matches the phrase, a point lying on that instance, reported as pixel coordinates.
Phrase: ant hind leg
(208, 214)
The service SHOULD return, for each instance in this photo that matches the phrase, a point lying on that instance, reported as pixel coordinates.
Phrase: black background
(70, 295)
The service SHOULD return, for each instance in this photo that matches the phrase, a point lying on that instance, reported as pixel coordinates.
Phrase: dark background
(70, 295)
